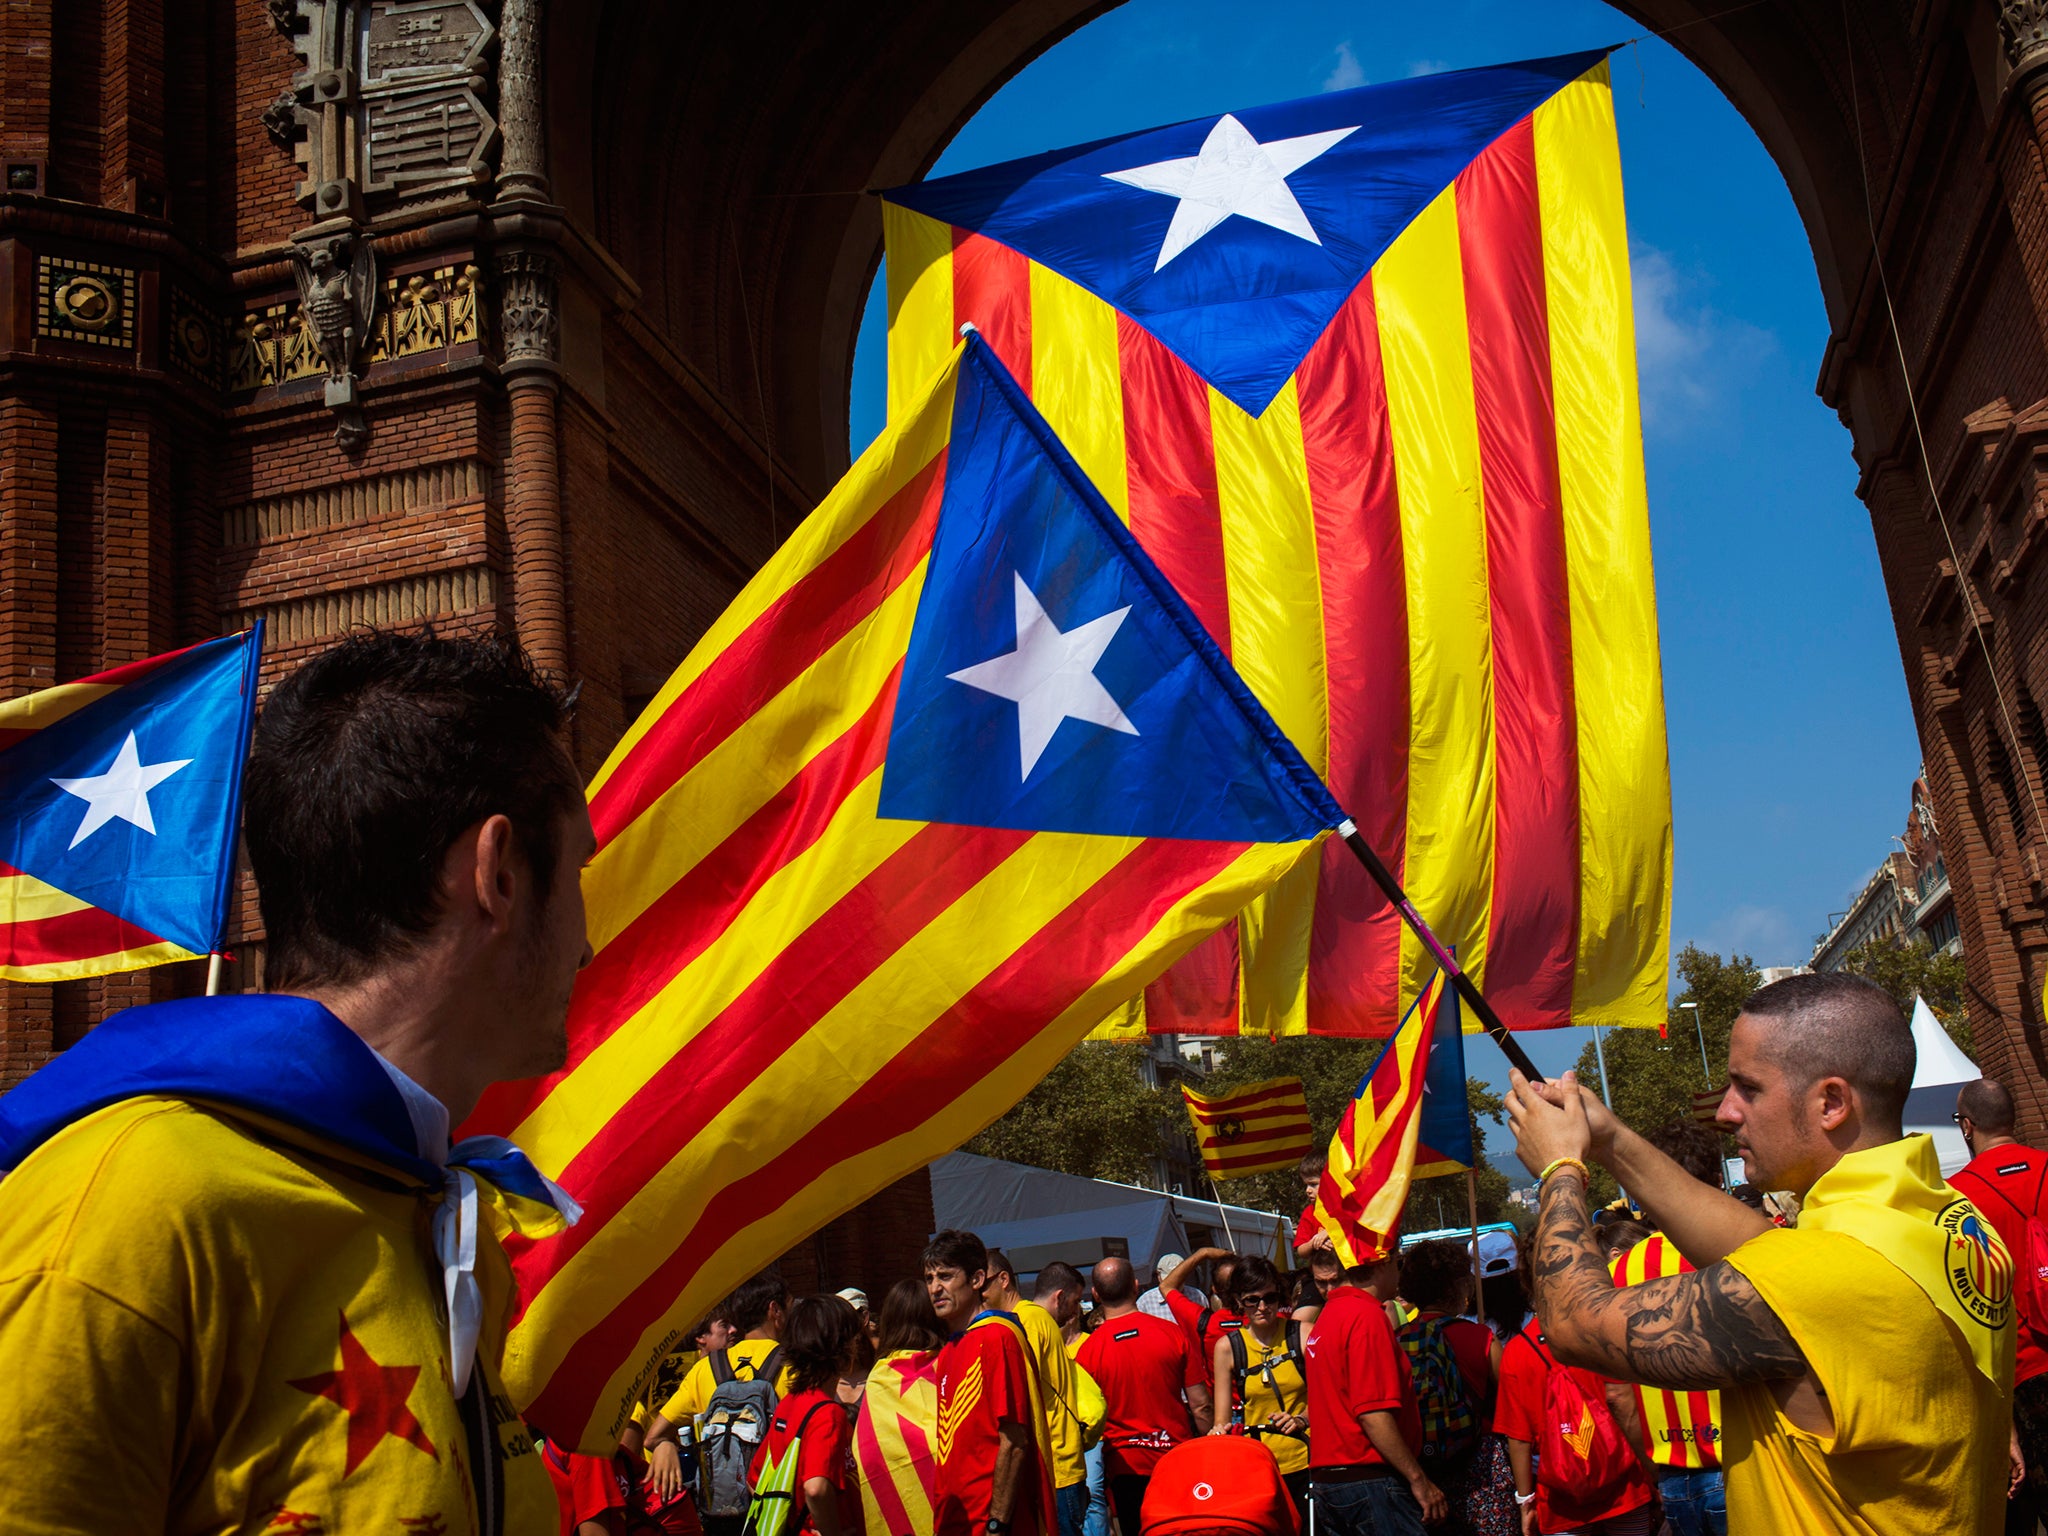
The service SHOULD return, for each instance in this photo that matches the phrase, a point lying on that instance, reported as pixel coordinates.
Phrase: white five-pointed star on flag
(1233, 173)
(1050, 676)
(122, 791)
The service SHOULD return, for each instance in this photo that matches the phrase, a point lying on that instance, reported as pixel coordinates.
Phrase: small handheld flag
(1409, 1120)
(119, 800)
(1259, 1128)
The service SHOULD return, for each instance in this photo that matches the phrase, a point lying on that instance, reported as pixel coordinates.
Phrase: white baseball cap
(1168, 1263)
(857, 1297)
(1498, 1254)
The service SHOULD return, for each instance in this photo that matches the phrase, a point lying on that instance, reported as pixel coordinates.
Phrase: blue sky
(1792, 743)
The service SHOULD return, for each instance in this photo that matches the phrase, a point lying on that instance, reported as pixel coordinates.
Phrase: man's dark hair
(369, 761)
(1057, 1276)
(907, 1320)
(1986, 1105)
(1834, 1024)
(954, 1249)
(1115, 1281)
(819, 1341)
(1692, 1146)
(1363, 1274)
(747, 1308)
(1435, 1274)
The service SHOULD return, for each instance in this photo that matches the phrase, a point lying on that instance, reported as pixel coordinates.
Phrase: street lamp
(1697, 1025)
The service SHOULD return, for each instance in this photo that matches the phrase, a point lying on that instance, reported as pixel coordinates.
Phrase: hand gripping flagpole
(1391, 889)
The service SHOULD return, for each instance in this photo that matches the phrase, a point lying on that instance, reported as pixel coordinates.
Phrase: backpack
(1241, 1364)
(773, 1498)
(2030, 1262)
(1582, 1452)
(1449, 1427)
(731, 1426)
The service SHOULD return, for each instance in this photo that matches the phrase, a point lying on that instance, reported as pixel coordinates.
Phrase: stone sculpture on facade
(337, 303)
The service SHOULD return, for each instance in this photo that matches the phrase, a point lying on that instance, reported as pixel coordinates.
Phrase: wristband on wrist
(1564, 1162)
(1525, 1498)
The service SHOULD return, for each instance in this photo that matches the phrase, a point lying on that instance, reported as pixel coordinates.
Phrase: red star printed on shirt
(373, 1396)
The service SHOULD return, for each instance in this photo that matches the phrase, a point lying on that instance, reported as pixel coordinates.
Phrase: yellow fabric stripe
(788, 902)
(918, 269)
(25, 899)
(46, 706)
(1077, 380)
(876, 1022)
(891, 462)
(746, 770)
(1420, 293)
(1276, 641)
(1617, 676)
(99, 965)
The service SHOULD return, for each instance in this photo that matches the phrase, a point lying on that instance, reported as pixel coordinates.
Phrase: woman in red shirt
(818, 1340)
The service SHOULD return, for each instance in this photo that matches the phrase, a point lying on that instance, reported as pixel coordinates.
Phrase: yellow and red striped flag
(894, 1444)
(1259, 1128)
(1359, 373)
(1409, 1120)
(803, 991)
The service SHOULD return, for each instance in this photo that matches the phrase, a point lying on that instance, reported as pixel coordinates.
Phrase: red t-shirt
(1221, 1323)
(1143, 1367)
(1305, 1230)
(2006, 1186)
(1518, 1414)
(984, 1380)
(1355, 1365)
(819, 1423)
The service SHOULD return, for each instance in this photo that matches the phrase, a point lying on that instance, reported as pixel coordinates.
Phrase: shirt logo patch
(1128, 1333)
(2014, 1168)
(958, 1404)
(1978, 1267)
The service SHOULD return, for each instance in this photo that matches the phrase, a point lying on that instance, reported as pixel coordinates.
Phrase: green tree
(1093, 1115)
(1915, 969)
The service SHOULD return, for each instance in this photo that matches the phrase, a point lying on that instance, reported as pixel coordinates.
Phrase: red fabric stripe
(1043, 978)
(1260, 1144)
(1217, 1108)
(1532, 936)
(692, 914)
(799, 626)
(1355, 948)
(85, 934)
(992, 289)
(1277, 1156)
(1175, 515)
(878, 1478)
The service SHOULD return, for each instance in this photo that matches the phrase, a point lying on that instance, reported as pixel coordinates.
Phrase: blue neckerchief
(286, 1058)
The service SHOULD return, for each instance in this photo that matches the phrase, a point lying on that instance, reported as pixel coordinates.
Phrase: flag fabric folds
(120, 795)
(832, 939)
(892, 1444)
(1409, 1120)
(1259, 1128)
(1359, 373)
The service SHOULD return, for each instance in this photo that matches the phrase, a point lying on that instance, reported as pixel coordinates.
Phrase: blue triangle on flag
(1446, 1130)
(1054, 680)
(1241, 277)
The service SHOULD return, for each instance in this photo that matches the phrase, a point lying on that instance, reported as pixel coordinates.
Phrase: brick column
(523, 164)
(533, 521)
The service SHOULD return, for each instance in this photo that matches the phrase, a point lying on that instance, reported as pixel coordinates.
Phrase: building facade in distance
(1907, 900)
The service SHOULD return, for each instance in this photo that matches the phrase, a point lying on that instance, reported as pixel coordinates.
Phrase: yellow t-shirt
(210, 1323)
(1920, 1433)
(1047, 1347)
(694, 1395)
(1288, 1393)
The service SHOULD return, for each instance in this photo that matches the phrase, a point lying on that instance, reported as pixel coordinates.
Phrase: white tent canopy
(1940, 1069)
(1035, 1215)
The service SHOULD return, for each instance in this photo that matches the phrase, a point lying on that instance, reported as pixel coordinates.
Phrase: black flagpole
(1391, 888)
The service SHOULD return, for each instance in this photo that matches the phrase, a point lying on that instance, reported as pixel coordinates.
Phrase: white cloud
(1767, 934)
(1688, 354)
(1428, 67)
(1349, 73)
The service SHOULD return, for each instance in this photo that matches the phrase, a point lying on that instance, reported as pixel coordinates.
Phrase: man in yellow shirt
(245, 1281)
(756, 1312)
(1046, 1344)
(1865, 1358)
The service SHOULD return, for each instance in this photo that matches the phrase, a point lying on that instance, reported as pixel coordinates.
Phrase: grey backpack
(730, 1431)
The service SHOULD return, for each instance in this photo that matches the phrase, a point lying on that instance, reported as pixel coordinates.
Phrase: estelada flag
(120, 795)
(1359, 372)
(955, 775)
(1409, 1120)
(1259, 1128)
(894, 1446)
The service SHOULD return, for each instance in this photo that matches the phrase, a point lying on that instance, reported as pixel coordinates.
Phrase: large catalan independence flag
(120, 796)
(1409, 1120)
(1359, 373)
(955, 775)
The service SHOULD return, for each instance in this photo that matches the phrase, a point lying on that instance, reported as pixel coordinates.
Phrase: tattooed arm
(1709, 1329)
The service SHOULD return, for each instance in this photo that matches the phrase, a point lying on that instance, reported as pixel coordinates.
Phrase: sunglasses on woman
(1263, 1299)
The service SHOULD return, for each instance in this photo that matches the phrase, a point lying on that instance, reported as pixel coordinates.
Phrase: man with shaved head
(2005, 1181)
(1153, 1381)
(1865, 1358)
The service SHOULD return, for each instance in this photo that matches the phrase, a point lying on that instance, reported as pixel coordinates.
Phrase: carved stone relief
(418, 314)
(529, 320)
(85, 301)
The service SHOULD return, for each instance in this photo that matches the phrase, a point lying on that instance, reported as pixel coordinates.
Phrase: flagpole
(1391, 889)
(1472, 1208)
(213, 973)
(1223, 1211)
